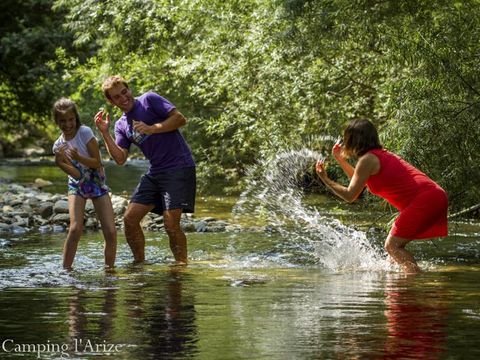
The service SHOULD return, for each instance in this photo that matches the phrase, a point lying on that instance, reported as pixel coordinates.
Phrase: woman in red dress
(422, 203)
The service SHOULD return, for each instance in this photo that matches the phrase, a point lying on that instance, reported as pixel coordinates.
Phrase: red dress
(422, 203)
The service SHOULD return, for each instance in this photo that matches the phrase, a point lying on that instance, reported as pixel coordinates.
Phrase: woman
(421, 202)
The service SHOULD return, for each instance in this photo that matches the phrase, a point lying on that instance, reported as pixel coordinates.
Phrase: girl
(421, 202)
(77, 154)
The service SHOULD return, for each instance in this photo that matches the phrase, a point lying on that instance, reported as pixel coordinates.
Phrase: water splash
(274, 193)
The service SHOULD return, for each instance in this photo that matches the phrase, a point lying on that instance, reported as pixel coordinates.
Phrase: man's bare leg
(133, 231)
(176, 236)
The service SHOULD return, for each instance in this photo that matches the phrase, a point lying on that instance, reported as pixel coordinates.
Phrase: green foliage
(30, 33)
(255, 77)
(411, 67)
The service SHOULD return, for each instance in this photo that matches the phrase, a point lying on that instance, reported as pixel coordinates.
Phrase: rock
(147, 221)
(44, 197)
(40, 183)
(5, 227)
(119, 201)
(89, 207)
(213, 227)
(188, 227)
(57, 197)
(5, 243)
(19, 221)
(17, 188)
(61, 218)
(16, 202)
(24, 207)
(8, 209)
(45, 210)
(58, 228)
(60, 207)
(119, 210)
(91, 223)
(33, 201)
(200, 226)
(39, 220)
(233, 228)
(219, 223)
(27, 208)
(45, 228)
(18, 230)
(17, 214)
(8, 220)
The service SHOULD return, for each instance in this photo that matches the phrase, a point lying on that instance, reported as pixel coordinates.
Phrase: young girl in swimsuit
(422, 203)
(77, 154)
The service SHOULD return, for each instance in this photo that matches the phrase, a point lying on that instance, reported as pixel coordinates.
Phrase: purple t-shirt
(165, 151)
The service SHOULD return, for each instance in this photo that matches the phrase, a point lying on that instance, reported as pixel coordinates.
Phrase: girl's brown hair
(64, 105)
(359, 137)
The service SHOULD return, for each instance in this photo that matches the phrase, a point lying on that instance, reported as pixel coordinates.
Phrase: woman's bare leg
(395, 247)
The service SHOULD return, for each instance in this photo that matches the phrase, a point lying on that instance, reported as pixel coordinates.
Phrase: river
(246, 295)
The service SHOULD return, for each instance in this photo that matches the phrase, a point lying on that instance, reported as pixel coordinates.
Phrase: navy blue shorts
(167, 190)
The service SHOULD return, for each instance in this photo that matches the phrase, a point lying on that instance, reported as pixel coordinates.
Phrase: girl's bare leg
(104, 210)
(76, 209)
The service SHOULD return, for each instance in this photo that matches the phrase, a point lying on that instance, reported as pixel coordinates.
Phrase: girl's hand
(320, 169)
(337, 150)
(102, 121)
(62, 154)
(73, 153)
(60, 157)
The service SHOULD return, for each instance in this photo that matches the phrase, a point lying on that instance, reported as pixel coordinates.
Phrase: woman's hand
(320, 169)
(337, 150)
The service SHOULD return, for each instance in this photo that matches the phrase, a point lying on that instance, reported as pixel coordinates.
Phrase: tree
(255, 77)
(411, 67)
(30, 34)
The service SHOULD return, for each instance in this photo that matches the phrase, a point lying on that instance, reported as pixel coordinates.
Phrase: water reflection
(416, 316)
(91, 321)
(164, 317)
(152, 317)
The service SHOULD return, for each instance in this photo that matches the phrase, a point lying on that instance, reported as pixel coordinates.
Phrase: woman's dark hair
(359, 137)
(64, 105)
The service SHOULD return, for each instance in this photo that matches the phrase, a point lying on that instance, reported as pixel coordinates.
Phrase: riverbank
(28, 208)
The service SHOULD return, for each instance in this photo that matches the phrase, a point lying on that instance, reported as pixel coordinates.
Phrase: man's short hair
(111, 82)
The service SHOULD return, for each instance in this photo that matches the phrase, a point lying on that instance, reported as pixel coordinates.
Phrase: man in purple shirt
(168, 188)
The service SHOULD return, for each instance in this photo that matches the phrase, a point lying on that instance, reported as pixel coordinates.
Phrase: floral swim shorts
(90, 185)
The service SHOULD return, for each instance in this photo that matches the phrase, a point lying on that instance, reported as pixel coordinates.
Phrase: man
(168, 188)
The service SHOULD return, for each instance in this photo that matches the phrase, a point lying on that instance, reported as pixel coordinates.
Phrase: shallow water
(243, 296)
(279, 294)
